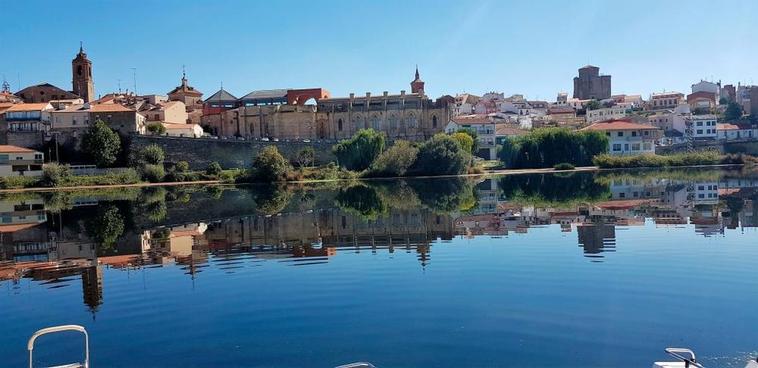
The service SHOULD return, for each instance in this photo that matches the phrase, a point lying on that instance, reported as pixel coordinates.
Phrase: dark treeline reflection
(49, 236)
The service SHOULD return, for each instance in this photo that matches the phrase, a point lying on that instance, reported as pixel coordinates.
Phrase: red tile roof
(14, 149)
(472, 119)
(28, 107)
(726, 126)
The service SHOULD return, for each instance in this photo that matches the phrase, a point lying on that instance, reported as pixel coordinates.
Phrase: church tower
(417, 86)
(81, 69)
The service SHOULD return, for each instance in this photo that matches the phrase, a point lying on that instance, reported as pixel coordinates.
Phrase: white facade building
(607, 113)
(628, 138)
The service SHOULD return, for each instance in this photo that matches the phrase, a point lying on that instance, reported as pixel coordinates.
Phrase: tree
(213, 169)
(592, 105)
(733, 111)
(153, 173)
(465, 140)
(441, 155)
(101, 144)
(395, 161)
(474, 137)
(305, 157)
(358, 152)
(156, 128)
(270, 165)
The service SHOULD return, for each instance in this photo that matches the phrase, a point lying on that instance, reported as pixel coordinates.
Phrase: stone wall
(199, 152)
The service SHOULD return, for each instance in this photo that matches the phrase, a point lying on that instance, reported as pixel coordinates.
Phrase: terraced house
(626, 137)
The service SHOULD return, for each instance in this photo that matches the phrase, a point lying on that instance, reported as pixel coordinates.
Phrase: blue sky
(529, 47)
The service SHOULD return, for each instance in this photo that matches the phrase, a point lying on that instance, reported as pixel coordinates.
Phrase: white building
(20, 161)
(698, 126)
(28, 117)
(183, 130)
(626, 137)
(665, 100)
(710, 87)
(607, 113)
(484, 126)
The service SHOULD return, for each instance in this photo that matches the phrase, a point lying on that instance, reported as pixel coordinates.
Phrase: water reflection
(61, 237)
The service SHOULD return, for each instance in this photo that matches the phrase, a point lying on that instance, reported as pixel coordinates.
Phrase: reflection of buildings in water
(21, 236)
(92, 286)
(707, 220)
(474, 225)
(596, 239)
(488, 196)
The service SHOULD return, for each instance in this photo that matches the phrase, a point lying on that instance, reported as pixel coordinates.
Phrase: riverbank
(496, 172)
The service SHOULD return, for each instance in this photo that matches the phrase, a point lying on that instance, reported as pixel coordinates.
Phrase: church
(82, 84)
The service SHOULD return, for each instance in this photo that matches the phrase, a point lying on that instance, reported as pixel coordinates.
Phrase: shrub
(270, 165)
(652, 160)
(156, 128)
(396, 160)
(564, 166)
(441, 155)
(547, 147)
(54, 175)
(153, 173)
(150, 155)
(305, 157)
(15, 182)
(213, 170)
(182, 166)
(474, 138)
(358, 152)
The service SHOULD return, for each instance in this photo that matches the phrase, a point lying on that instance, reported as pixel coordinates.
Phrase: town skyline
(324, 62)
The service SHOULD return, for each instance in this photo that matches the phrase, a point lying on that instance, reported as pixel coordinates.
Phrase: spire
(417, 76)
(81, 47)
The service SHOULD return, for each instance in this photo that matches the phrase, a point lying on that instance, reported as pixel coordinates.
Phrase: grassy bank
(608, 161)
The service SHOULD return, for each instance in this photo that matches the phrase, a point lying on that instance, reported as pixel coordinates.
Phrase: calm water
(548, 270)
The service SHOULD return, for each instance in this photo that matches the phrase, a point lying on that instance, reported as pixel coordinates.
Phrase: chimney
(385, 93)
(368, 94)
(352, 95)
(402, 92)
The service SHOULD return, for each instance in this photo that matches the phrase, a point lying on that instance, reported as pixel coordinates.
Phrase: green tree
(592, 105)
(363, 201)
(358, 152)
(305, 157)
(213, 169)
(441, 155)
(465, 140)
(153, 173)
(101, 144)
(474, 138)
(270, 166)
(733, 111)
(395, 161)
(156, 128)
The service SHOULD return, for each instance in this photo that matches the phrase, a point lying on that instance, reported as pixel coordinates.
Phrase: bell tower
(81, 70)
(417, 85)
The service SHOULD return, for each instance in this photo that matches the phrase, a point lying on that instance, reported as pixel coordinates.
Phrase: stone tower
(81, 70)
(417, 85)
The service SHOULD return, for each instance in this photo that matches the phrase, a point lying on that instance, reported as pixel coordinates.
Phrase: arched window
(339, 125)
(393, 123)
(376, 123)
(434, 121)
(412, 122)
(79, 70)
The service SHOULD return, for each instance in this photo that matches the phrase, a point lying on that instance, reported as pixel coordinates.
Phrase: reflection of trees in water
(361, 200)
(549, 189)
(106, 227)
(271, 199)
(152, 203)
(445, 195)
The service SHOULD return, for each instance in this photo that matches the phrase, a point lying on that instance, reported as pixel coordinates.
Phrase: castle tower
(417, 85)
(81, 70)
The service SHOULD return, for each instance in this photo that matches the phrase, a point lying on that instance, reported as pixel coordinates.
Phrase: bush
(360, 151)
(156, 128)
(679, 159)
(305, 157)
(153, 173)
(564, 166)
(213, 170)
(441, 155)
(150, 155)
(395, 161)
(54, 175)
(101, 144)
(270, 166)
(474, 138)
(182, 166)
(16, 182)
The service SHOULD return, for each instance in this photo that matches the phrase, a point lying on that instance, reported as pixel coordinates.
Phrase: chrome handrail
(55, 329)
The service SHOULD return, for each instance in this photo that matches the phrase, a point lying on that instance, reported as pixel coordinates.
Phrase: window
(620, 134)
(635, 147)
(434, 121)
(339, 125)
(699, 131)
(699, 123)
(617, 147)
(634, 134)
(647, 133)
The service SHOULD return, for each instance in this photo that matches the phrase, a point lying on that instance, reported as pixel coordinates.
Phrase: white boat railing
(56, 329)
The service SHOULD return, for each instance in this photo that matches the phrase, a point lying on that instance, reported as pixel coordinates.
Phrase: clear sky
(529, 47)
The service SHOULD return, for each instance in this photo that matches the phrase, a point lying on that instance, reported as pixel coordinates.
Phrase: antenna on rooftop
(134, 77)
(119, 85)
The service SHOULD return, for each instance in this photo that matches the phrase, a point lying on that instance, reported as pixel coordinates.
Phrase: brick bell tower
(417, 85)
(81, 70)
